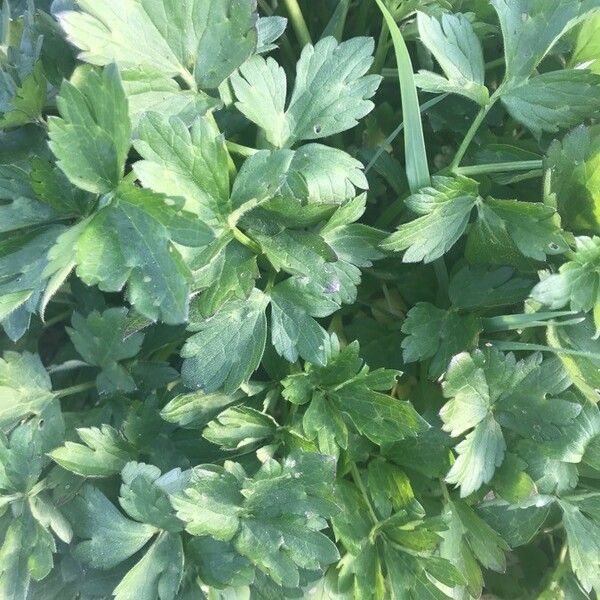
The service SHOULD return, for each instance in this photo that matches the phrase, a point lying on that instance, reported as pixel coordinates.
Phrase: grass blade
(417, 170)
(336, 24)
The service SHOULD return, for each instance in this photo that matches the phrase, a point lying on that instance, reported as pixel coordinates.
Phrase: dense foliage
(304, 309)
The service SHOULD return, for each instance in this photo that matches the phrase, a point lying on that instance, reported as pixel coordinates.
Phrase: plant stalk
(240, 150)
(75, 389)
(505, 167)
(298, 23)
(479, 119)
(363, 490)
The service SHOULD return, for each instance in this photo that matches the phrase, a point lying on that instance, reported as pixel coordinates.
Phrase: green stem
(527, 347)
(549, 198)
(57, 319)
(242, 238)
(265, 7)
(444, 489)
(240, 150)
(503, 167)
(230, 164)
(363, 490)
(189, 79)
(75, 389)
(462, 150)
(441, 274)
(498, 62)
(382, 48)
(298, 22)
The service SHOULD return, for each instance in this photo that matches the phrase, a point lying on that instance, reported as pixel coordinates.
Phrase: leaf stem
(363, 490)
(441, 274)
(503, 167)
(57, 319)
(382, 48)
(240, 150)
(479, 119)
(75, 389)
(298, 22)
(230, 164)
(242, 238)
(266, 8)
(189, 79)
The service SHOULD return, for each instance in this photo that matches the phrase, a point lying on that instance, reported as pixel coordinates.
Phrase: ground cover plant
(299, 299)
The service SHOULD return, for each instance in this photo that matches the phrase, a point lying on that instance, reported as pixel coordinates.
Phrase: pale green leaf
(228, 346)
(198, 40)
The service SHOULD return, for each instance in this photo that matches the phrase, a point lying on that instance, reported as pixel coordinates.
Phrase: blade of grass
(523, 346)
(505, 167)
(524, 321)
(336, 24)
(417, 169)
(390, 138)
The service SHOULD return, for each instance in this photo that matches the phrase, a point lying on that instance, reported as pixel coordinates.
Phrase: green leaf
(578, 440)
(446, 208)
(191, 164)
(478, 287)
(479, 454)
(21, 459)
(270, 29)
(555, 100)
(532, 27)
(23, 260)
(196, 409)
(227, 270)
(574, 163)
(52, 187)
(227, 505)
(25, 554)
(158, 575)
(417, 170)
(323, 422)
(355, 392)
(109, 538)
(102, 341)
(150, 91)
(145, 494)
(506, 227)
(92, 139)
(457, 49)
(587, 47)
(583, 536)
(21, 207)
(219, 564)
(25, 387)
(576, 283)
(515, 524)
(214, 360)
(379, 417)
(105, 452)
(486, 544)
(202, 42)
(583, 370)
(432, 235)
(211, 504)
(330, 95)
(437, 334)
(280, 546)
(28, 100)
(511, 482)
(298, 253)
(294, 331)
(131, 240)
(240, 426)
